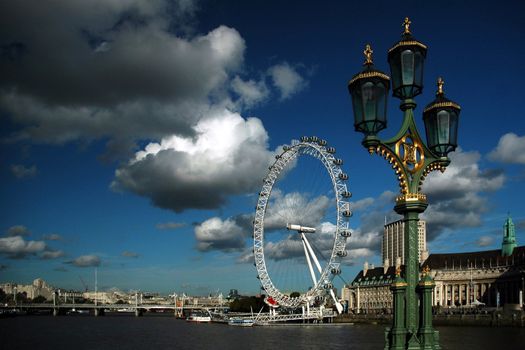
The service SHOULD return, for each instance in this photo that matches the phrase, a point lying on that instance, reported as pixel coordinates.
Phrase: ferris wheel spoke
(310, 267)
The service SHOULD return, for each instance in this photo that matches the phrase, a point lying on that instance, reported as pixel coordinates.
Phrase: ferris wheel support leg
(338, 305)
(309, 261)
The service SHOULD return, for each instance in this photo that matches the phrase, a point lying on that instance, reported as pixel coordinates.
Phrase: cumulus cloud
(510, 149)
(295, 207)
(55, 80)
(18, 230)
(228, 156)
(129, 254)
(170, 225)
(456, 196)
(21, 171)
(85, 261)
(250, 92)
(16, 247)
(52, 254)
(286, 79)
(216, 234)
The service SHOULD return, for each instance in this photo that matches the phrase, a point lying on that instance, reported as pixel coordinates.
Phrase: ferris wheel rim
(316, 148)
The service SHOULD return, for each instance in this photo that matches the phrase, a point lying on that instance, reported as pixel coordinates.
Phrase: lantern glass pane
(407, 64)
(443, 121)
(454, 117)
(381, 95)
(418, 70)
(369, 101)
(358, 106)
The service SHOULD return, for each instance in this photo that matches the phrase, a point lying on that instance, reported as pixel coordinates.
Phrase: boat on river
(241, 322)
(199, 317)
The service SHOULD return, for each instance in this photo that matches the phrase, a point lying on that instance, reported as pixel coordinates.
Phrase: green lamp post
(411, 160)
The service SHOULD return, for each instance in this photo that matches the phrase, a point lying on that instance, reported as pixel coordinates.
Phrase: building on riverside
(492, 278)
(393, 243)
(39, 287)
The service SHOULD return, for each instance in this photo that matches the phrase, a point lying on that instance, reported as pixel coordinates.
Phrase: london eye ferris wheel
(301, 225)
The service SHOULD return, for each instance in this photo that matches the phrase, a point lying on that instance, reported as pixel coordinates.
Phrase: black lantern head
(369, 90)
(406, 59)
(441, 119)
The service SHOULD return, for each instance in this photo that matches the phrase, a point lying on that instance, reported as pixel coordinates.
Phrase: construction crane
(83, 283)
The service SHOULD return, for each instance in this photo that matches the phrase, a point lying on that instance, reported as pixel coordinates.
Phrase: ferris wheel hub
(300, 229)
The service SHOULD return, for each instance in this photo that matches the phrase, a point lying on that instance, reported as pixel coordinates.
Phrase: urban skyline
(135, 135)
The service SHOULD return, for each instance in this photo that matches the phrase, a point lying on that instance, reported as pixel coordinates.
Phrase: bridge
(100, 309)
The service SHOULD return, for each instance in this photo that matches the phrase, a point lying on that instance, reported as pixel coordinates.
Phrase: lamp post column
(410, 206)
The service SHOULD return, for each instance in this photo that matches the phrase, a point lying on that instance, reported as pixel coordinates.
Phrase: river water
(164, 332)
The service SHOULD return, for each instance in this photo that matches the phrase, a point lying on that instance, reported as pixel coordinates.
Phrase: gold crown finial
(368, 55)
(440, 84)
(426, 270)
(406, 24)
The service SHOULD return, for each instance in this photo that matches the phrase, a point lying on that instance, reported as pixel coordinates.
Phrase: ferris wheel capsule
(346, 233)
(338, 162)
(304, 138)
(342, 253)
(335, 271)
(343, 176)
(346, 194)
(330, 150)
(328, 286)
(322, 142)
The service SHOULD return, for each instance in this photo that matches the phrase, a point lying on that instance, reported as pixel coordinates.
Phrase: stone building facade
(491, 278)
(39, 287)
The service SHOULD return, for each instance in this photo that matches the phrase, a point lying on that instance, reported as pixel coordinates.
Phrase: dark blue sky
(86, 86)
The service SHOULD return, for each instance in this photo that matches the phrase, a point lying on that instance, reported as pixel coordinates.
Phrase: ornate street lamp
(411, 160)
(441, 119)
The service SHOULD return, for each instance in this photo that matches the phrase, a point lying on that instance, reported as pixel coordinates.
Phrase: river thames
(165, 332)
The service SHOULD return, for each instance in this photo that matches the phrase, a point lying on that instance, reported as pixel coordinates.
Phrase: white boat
(241, 322)
(199, 317)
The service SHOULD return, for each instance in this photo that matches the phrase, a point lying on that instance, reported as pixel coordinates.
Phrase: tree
(247, 304)
(39, 299)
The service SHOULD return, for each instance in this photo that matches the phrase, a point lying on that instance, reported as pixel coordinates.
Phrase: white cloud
(250, 92)
(85, 261)
(216, 234)
(17, 247)
(510, 149)
(485, 241)
(295, 208)
(362, 204)
(52, 254)
(286, 79)
(159, 84)
(228, 156)
(456, 196)
(18, 230)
